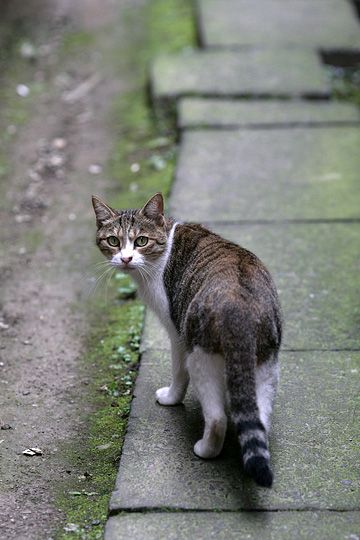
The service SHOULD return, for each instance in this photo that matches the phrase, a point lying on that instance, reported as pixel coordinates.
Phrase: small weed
(345, 83)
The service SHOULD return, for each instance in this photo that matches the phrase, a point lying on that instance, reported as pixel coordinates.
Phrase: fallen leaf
(4, 326)
(103, 446)
(71, 527)
(95, 168)
(22, 90)
(29, 452)
(34, 451)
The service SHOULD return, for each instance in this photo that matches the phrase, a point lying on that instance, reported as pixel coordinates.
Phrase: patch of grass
(142, 162)
(345, 83)
(171, 26)
(75, 41)
(112, 358)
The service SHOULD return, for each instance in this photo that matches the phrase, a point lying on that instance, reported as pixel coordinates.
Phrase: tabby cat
(221, 310)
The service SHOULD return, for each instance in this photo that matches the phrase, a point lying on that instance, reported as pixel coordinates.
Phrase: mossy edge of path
(113, 346)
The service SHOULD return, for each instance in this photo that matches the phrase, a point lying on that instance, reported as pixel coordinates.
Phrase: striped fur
(220, 307)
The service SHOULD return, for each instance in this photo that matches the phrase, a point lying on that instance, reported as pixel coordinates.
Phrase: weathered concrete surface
(269, 72)
(314, 444)
(316, 269)
(154, 334)
(200, 112)
(330, 24)
(298, 173)
(234, 526)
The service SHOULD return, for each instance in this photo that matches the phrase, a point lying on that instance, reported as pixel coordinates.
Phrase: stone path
(282, 179)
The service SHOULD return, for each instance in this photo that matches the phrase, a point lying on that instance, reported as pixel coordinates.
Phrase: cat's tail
(240, 362)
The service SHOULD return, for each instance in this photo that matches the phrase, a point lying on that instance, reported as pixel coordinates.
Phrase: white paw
(205, 450)
(164, 396)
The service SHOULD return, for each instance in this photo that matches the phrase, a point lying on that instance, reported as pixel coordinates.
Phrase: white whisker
(100, 279)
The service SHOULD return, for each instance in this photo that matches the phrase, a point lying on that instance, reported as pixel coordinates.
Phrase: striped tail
(240, 361)
(255, 451)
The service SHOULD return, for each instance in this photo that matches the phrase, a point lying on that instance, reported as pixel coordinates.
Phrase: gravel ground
(46, 234)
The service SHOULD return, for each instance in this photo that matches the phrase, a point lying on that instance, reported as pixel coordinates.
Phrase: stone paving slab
(263, 72)
(316, 269)
(234, 526)
(221, 113)
(325, 24)
(314, 444)
(269, 174)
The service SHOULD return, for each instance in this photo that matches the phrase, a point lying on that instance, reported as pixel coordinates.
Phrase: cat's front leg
(175, 393)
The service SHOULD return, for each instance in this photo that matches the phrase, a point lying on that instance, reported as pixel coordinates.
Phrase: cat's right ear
(103, 212)
(154, 209)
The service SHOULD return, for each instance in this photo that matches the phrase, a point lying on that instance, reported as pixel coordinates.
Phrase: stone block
(233, 526)
(313, 444)
(330, 24)
(269, 174)
(221, 113)
(254, 72)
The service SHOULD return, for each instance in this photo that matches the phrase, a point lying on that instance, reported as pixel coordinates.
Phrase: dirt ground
(46, 237)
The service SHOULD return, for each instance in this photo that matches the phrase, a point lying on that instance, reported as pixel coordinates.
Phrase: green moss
(32, 239)
(74, 41)
(113, 348)
(171, 26)
(345, 83)
(112, 358)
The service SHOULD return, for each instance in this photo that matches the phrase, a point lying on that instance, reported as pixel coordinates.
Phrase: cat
(220, 307)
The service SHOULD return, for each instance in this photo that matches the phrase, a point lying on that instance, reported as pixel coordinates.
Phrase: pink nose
(126, 260)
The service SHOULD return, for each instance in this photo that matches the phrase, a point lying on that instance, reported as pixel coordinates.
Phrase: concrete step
(253, 72)
(269, 174)
(224, 114)
(233, 526)
(320, 24)
(316, 269)
(313, 444)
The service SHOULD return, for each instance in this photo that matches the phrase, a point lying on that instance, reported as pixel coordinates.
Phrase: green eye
(113, 241)
(141, 241)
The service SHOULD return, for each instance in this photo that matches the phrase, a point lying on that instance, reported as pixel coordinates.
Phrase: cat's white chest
(152, 290)
(154, 295)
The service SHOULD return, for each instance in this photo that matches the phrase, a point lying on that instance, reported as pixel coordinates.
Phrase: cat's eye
(141, 241)
(113, 241)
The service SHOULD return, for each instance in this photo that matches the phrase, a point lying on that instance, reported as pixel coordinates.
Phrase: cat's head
(131, 238)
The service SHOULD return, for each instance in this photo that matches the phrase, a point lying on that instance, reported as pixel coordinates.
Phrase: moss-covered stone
(313, 444)
(254, 72)
(221, 113)
(316, 269)
(319, 25)
(233, 526)
(276, 174)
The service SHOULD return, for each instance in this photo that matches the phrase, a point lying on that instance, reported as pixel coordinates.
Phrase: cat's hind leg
(207, 376)
(175, 393)
(266, 378)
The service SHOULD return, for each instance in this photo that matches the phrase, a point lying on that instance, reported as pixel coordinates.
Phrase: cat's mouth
(124, 266)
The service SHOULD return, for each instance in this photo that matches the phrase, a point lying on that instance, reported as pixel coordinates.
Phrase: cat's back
(211, 282)
(202, 261)
(197, 252)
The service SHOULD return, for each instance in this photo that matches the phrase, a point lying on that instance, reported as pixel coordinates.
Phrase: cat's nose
(126, 260)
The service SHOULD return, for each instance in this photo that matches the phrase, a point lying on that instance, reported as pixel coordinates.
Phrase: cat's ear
(154, 209)
(103, 212)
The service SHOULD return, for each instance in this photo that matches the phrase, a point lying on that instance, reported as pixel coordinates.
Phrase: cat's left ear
(103, 212)
(154, 209)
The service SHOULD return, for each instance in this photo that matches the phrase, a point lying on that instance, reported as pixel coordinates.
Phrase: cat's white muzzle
(124, 260)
